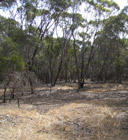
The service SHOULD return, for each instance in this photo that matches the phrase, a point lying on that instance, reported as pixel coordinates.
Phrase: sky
(121, 3)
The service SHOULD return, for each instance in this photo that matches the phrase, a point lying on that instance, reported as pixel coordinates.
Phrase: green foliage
(10, 60)
(66, 15)
(42, 12)
(30, 43)
(119, 63)
(115, 24)
(16, 62)
(77, 21)
(6, 3)
(125, 10)
(31, 11)
(59, 5)
(84, 35)
(52, 47)
(103, 5)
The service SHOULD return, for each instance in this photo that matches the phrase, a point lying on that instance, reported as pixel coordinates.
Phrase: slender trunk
(75, 56)
(51, 73)
(58, 72)
(31, 85)
(12, 92)
(82, 65)
(5, 89)
(66, 73)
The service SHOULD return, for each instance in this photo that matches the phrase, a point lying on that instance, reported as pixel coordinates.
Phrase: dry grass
(18, 123)
(106, 87)
(58, 87)
(76, 121)
(88, 120)
(83, 121)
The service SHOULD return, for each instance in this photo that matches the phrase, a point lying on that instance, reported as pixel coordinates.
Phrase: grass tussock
(94, 113)
(75, 121)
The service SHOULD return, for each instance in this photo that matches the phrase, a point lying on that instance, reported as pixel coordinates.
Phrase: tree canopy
(57, 41)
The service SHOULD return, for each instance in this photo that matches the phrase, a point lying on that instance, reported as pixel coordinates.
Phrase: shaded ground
(97, 112)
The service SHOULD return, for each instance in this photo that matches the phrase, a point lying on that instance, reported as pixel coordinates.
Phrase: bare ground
(97, 112)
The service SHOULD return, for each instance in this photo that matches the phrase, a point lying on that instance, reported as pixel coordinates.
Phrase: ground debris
(64, 114)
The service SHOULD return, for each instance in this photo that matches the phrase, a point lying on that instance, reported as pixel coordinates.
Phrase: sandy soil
(97, 112)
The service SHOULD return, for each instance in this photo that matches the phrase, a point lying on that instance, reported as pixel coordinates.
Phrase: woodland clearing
(97, 112)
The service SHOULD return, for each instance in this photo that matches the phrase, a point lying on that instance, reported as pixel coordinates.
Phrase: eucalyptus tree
(10, 57)
(53, 54)
(39, 21)
(109, 63)
(65, 27)
(43, 15)
(97, 11)
(36, 18)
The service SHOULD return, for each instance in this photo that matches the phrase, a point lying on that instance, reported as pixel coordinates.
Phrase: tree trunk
(5, 89)
(58, 72)
(31, 85)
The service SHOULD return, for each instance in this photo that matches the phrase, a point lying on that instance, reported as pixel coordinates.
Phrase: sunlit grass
(72, 120)
(91, 119)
